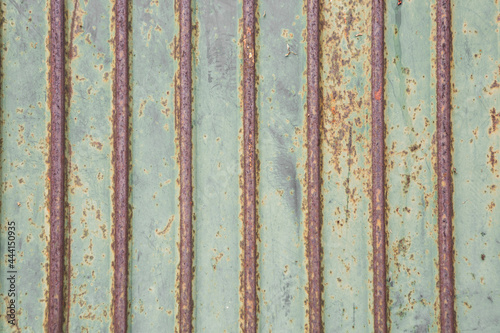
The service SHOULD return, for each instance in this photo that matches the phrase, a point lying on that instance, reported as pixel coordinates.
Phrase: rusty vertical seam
(249, 133)
(57, 146)
(313, 167)
(186, 195)
(121, 163)
(378, 169)
(445, 208)
(69, 90)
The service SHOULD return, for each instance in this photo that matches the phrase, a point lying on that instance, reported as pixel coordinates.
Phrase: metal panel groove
(121, 168)
(57, 165)
(378, 169)
(249, 155)
(313, 167)
(445, 209)
(186, 196)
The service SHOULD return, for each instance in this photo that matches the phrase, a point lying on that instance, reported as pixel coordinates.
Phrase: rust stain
(57, 149)
(313, 168)
(167, 227)
(121, 163)
(68, 235)
(72, 53)
(492, 159)
(444, 185)
(378, 169)
(186, 188)
(249, 167)
(495, 121)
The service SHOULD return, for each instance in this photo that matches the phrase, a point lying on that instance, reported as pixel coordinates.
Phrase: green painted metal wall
(345, 39)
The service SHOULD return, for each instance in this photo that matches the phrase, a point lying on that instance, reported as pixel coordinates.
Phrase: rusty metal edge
(249, 163)
(313, 167)
(57, 174)
(378, 169)
(121, 168)
(445, 206)
(186, 189)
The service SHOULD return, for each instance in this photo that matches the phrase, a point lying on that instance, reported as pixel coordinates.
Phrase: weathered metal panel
(346, 170)
(24, 158)
(412, 252)
(88, 165)
(281, 68)
(223, 166)
(154, 193)
(476, 143)
(217, 131)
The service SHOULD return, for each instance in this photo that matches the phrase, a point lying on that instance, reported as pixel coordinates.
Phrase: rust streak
(57, 146)
(378, 169)
(121, 161)
(69, 89)
(249, 209)
(445, 209)
(186, 195)
(313, 167)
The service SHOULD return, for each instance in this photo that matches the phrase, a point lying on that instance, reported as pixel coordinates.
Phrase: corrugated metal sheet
(223, 166)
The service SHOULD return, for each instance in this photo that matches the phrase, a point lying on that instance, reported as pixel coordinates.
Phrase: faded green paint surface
(346, 169)
(217, 128)
(24, 153)
(282, 161)
(153, 179)
(410, 117)
(476, 132)
(88, 157)
(412, 252)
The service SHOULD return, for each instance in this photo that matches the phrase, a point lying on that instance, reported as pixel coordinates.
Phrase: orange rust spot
(332, 98)
(378, 94)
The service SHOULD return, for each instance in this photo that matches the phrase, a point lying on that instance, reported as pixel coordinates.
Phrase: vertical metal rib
(378, 168)
(121, 161)
(57, 195)
(313, 167)
(249, 109)
(186, 205)
(445, 208)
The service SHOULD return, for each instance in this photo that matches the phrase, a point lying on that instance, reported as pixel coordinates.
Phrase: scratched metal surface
(281, 151)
